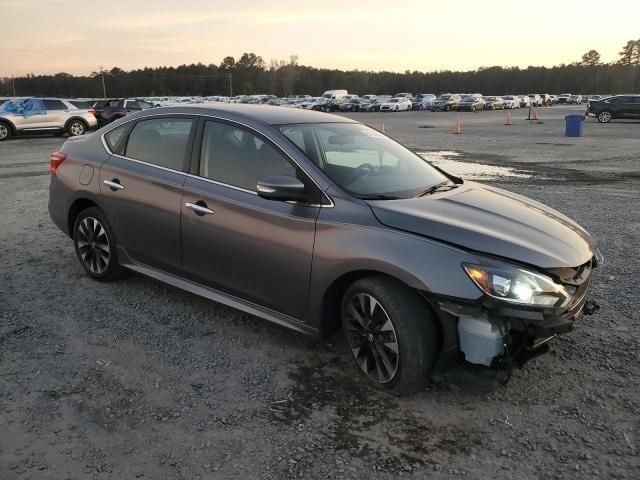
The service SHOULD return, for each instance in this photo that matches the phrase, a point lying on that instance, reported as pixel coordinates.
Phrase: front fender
(420, 263)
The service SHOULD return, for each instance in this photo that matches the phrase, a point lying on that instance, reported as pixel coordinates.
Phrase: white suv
(55, 115)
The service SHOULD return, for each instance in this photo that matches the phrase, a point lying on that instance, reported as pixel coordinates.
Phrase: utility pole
(230, 77)
(13, 84)
(104, 89)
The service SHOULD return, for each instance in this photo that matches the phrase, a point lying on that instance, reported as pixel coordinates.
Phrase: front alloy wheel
(390, 332)
(4, 132)
(605, 116)
(372, 338)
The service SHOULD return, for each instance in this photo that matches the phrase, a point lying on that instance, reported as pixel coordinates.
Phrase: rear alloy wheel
(605, 116)
(95, 245)
(391, 334)
(76, 128)
(5, 131)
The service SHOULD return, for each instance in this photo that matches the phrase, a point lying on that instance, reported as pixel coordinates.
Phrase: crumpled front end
(498, 334)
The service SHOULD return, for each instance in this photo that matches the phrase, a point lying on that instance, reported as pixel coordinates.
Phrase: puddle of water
(471, 171)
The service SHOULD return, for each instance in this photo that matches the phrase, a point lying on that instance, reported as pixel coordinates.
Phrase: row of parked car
(342, 100)
(77, 116)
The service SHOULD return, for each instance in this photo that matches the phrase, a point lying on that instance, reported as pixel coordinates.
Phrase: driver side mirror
(283, 188)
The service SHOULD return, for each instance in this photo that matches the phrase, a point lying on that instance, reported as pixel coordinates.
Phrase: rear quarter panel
(65, 187)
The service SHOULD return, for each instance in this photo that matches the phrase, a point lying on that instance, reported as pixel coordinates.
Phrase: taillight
(56, 159)
(92, 112)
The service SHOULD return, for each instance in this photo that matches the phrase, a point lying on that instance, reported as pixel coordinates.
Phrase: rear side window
(80, 105)
(161, 142)
(54, 105)
(113, 137)
(237, 157)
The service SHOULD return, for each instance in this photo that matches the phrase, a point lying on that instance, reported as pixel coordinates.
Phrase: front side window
(161, 142)
(237, 157)
(362, 161)
(54, 105)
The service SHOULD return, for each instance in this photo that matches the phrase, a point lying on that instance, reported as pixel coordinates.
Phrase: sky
(50, 36)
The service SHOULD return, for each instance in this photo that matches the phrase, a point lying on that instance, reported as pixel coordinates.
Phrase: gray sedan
(314, 221)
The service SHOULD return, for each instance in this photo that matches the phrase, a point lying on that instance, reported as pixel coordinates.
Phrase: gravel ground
(134, 379)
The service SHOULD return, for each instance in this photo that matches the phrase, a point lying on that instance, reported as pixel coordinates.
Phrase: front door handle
(114, 184)
(199, 207)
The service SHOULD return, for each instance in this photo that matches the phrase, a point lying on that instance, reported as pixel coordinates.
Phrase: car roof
(268, 114)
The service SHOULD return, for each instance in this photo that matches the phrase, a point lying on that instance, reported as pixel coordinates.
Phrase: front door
(141, 189)
(237, 242)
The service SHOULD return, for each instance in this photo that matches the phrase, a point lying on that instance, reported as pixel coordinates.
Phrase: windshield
(444, 97)
(393, 100)
(362, 161)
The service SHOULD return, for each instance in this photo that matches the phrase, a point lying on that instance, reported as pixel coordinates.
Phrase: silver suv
(55, 115)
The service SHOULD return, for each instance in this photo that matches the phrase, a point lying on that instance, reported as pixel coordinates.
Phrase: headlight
(515, 285)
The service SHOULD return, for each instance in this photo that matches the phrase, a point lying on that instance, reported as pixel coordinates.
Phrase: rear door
(256, 249)
(57, 114)
(141, 189)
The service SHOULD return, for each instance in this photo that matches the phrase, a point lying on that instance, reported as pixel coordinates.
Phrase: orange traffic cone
(508, 120)
(382, 128)
(457, 129)
(535, 114)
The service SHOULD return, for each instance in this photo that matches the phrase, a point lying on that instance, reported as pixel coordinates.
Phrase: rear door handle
(114, 184)
(199, 207)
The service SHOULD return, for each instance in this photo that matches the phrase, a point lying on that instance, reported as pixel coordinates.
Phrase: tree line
(250, 74)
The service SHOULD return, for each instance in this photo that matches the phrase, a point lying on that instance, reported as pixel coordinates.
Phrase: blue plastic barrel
(573, 125)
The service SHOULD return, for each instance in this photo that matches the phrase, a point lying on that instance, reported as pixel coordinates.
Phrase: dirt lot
(135, 379)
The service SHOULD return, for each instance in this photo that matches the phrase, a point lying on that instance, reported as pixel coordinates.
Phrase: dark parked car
(494, 103)
(351, 105)
(619, 106)
(313, 220)
(470, 104)
(108, 111)
(445, 103)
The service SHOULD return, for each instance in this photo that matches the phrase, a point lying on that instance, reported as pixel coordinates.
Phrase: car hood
(493, 221)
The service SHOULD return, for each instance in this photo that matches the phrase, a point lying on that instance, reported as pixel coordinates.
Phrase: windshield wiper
(378, 197)
(436, 187)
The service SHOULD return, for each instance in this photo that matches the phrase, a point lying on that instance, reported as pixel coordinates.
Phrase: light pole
(230, 77)
(104, 88)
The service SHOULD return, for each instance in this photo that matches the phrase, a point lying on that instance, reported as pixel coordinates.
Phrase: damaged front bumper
(498, 335)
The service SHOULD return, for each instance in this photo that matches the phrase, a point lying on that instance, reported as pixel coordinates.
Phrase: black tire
(91, 232)
(412, 324)
(604, 116)
(5, 131)
(76, 128)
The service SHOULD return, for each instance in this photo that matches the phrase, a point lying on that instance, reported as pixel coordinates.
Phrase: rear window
(161, 142)
(113, 137)
(80, 105)
(54, 105)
